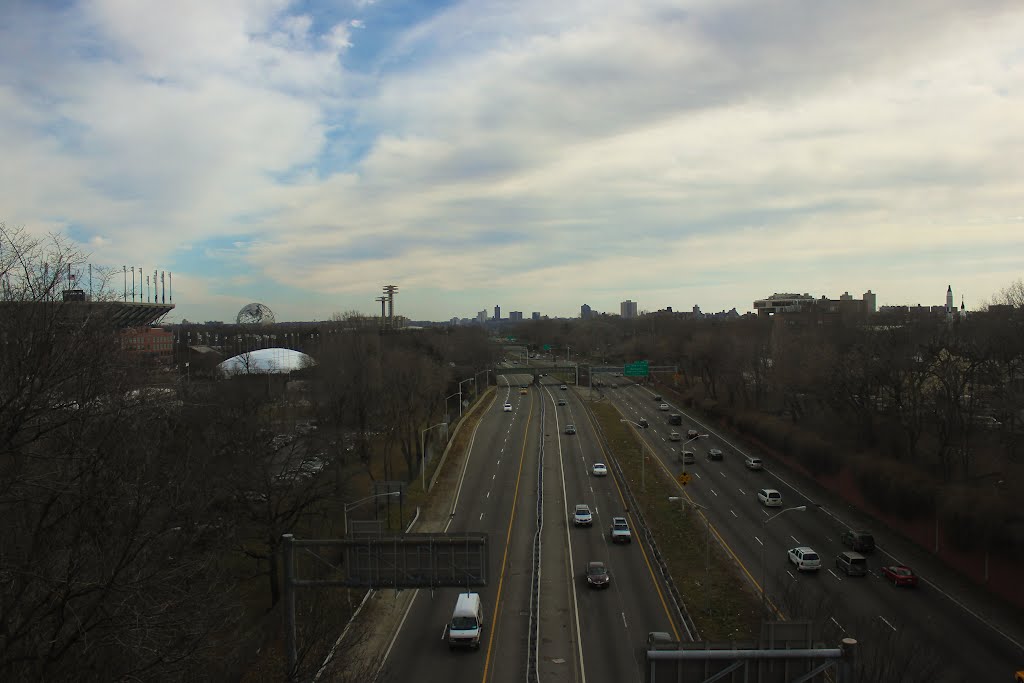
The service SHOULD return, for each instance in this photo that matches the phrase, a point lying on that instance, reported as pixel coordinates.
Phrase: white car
(599, 469)
(805, 559)
(564, 388)
(507, 408)
(770, 498)
(663, 406)
(582, 516)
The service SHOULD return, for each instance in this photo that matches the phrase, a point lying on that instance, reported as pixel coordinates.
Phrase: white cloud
(547, 152)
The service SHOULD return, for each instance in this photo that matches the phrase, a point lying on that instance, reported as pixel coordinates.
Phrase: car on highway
(805, 559)
(619, 531)
(770, 498)
(851, 563)
(753, 463)
(570, 429)
(643, 423)
(675, 436)
(692, 433)
(563, 387)
(663, 406)
(597, 575)
(661, 640)
(523, 392)
(714, 454)
(507, 407)
(582, 516)
(599, 469)
(657, 397)
(675, 419)
(687, 457)
(561, 401)
(900, 575)
(859, 541)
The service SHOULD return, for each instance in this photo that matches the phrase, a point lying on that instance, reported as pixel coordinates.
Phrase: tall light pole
(355, 504)
(643, 455)
(764, 542)
(699, 436)
(460, 394)
(707, 550)
(423, 450)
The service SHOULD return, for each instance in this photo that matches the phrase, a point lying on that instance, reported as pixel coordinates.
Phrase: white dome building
(265, 361)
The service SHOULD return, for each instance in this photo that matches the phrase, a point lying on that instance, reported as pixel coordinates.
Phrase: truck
(620, 532)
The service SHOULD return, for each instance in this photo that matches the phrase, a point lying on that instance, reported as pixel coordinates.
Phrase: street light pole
(355, 504)
(643, 456)
(699, 436)
(460, 394)
(423, 451)
(764, 543)
(707, 548)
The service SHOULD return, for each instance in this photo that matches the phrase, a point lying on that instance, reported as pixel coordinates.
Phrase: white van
(467, 622)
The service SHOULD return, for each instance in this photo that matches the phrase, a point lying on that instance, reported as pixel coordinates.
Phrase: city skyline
(302, 155)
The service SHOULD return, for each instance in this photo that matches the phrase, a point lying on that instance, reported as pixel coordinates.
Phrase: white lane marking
(481, 515)
(758, 540)
(624, 624)
(838, 578)
(886, 622)
(742, 491)
(734, 514)
(488, 494)
(715, 493)
(493, 476)
(833, 620)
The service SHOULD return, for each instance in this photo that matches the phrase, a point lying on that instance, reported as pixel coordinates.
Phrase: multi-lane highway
(955, 642)
(585, 634)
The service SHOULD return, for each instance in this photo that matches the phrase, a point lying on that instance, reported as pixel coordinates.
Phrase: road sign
(684, 478)
(547, 347)
(635, 369)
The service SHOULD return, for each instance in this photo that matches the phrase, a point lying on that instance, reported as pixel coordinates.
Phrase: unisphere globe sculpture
(255, 314)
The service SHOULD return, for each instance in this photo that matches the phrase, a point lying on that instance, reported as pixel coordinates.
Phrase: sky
(532, 155)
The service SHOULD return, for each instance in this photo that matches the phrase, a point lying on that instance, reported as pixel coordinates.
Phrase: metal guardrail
(533, 644)
(685, 620)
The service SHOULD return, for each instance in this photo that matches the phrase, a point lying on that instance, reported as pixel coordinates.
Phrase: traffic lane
(641, 607)
(614, 621)
(484, 504)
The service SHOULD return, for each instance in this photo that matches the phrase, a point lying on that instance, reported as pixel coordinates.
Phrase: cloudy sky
(533, 154)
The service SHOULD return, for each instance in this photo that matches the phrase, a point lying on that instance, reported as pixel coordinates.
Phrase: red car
(900, 575)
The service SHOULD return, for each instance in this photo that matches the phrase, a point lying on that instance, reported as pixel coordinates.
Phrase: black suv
(675, 419)
(644, 423)
(859, 541)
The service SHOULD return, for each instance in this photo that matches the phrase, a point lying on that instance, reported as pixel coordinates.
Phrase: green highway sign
(635, 369)
(547, 347)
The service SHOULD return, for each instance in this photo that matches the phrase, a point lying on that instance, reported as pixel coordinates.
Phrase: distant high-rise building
(497, 312)
(949, 301)
(627, 309)
(515, 316)
(535, 315)
(870, 302)
(585, 312)
(481, 316)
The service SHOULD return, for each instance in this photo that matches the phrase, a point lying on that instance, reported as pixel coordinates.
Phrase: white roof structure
(265, 361)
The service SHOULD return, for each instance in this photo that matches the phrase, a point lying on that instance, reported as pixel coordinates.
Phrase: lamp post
(643, 456)
(707, 549)
(699, 436)
(460, 394)
(355, 504)
(423, 450)
(764, 542)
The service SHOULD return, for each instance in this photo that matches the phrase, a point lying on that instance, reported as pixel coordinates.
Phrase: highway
(925, 620)
(585, 634)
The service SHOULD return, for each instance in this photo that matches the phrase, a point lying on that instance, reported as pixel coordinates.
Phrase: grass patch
(720, 601)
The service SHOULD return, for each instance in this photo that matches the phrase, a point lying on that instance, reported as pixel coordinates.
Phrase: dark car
(714, 454)
(644, 423)
(859, 541)
(657, 397)
(900, 575)
(691, 433)
(597, 575)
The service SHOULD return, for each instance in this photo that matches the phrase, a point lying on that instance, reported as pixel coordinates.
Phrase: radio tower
(389, 292)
